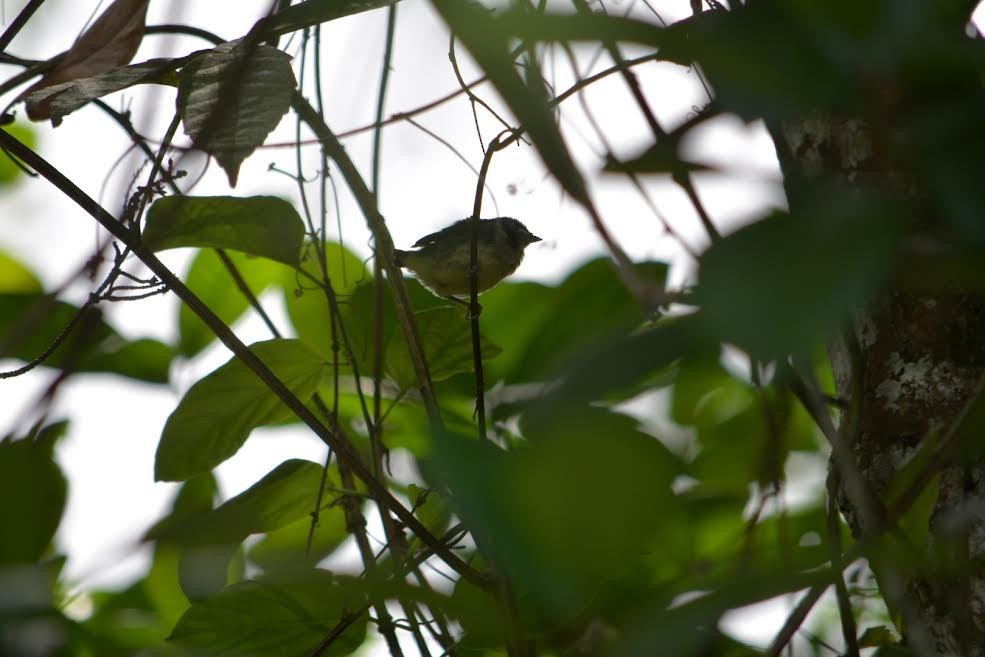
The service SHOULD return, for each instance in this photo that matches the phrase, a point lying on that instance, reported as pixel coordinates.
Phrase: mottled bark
(907, 364)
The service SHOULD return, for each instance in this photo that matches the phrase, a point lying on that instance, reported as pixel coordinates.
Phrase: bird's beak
(531, 238)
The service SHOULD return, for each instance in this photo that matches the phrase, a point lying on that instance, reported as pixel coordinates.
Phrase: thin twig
(384, 246)
(848, 627)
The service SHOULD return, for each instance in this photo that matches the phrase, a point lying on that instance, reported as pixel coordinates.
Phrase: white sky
(108, 455)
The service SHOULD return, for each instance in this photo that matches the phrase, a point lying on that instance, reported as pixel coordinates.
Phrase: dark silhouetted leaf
(772, 59)
(110, 42)
(662, 157)
(66, 97)
(309, 13)
(231, 97)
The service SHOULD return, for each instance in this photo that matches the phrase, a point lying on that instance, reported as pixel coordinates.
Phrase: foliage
(592, 528)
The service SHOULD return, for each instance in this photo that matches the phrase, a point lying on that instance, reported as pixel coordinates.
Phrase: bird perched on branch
(441, 260)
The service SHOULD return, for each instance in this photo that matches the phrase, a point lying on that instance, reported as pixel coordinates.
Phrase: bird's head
(516, 232)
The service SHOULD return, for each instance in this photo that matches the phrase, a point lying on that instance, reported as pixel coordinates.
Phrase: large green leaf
(287, 616)
(307, 305)
(213, 283)
(170, 584)
(446, 337)
(286, 547)
(28, 472)
(232, 97)
(217, 414)
(286, 493)
(264, 226)
(30, 323)
(554, 514)
(544, 327)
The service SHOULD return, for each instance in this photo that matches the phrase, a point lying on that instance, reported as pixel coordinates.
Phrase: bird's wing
(460, 230)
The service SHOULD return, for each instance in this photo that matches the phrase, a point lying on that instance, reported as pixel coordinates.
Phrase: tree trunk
(907, 365)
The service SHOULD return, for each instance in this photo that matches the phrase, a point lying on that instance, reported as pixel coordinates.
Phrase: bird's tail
(399, 257)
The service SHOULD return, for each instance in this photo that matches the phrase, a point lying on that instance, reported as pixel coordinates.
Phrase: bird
(442, 259)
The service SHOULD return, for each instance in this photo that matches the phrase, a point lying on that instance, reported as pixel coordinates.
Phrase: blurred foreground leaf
(26, 530)
(785, 283)
(30, 323)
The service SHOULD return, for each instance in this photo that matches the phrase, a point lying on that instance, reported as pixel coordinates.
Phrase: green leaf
(9, 171)
(705, 393)
(66, 97)
(489, 44)
(772, 60)
(600, 26)
(30, 323)
(26, 529)
(314, 12)
(213, 283)
(880, 635)
(308, 306)
(167, 585)
(446, 337)
(545, 327)
(271, 616)
(286, 493)
(15, 278)
(286, 547)
(620, 366)
(547, 513)
(785, 283)
(217, 414)
(264, 226)
(230, 122)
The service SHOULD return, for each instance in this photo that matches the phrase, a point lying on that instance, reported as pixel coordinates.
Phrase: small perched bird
(442, 259)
